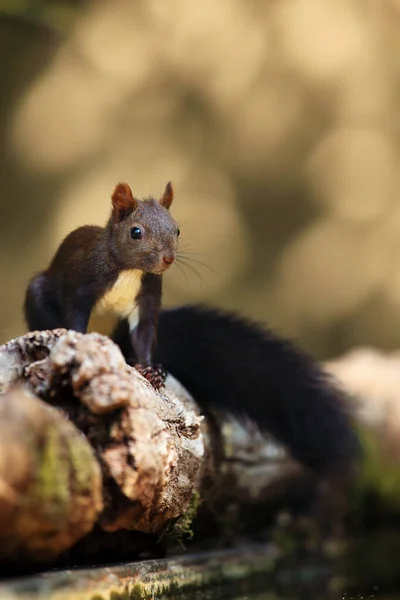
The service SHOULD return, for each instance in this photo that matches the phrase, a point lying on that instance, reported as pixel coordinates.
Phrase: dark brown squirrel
(117, 268)
(225, 361)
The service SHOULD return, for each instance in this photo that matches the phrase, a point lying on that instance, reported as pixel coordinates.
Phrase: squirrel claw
(155, 375)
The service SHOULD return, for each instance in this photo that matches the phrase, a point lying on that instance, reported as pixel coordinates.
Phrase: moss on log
(50, 480)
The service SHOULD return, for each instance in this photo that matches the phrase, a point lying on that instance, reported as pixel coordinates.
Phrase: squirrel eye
(136, 233)
(178, 233)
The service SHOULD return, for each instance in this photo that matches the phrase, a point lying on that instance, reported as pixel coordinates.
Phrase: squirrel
(117, 269)
(225, 361)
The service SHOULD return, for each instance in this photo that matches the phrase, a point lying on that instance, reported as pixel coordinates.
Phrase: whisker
(182, 271)
(182, 261)
(199, 262)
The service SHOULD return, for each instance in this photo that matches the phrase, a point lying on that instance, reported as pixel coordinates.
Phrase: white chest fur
(120, 300)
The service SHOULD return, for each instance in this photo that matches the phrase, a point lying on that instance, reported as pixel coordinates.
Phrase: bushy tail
(233, 364)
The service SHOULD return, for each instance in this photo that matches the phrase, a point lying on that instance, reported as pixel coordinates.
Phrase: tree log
(142, 459)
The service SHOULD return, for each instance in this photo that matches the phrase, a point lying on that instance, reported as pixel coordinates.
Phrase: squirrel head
(143, 235)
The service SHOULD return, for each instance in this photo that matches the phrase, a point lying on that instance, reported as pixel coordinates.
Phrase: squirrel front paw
(155, 375)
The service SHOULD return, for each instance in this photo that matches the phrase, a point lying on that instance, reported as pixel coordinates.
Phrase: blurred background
(278, 122)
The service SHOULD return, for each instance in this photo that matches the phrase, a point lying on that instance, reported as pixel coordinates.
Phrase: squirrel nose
(168, 260)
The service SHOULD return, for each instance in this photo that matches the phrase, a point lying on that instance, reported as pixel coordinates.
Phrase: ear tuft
(168, 196)
(123, 201)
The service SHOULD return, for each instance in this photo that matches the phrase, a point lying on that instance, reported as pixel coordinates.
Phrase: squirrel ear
(123, 201)
(168, 196)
